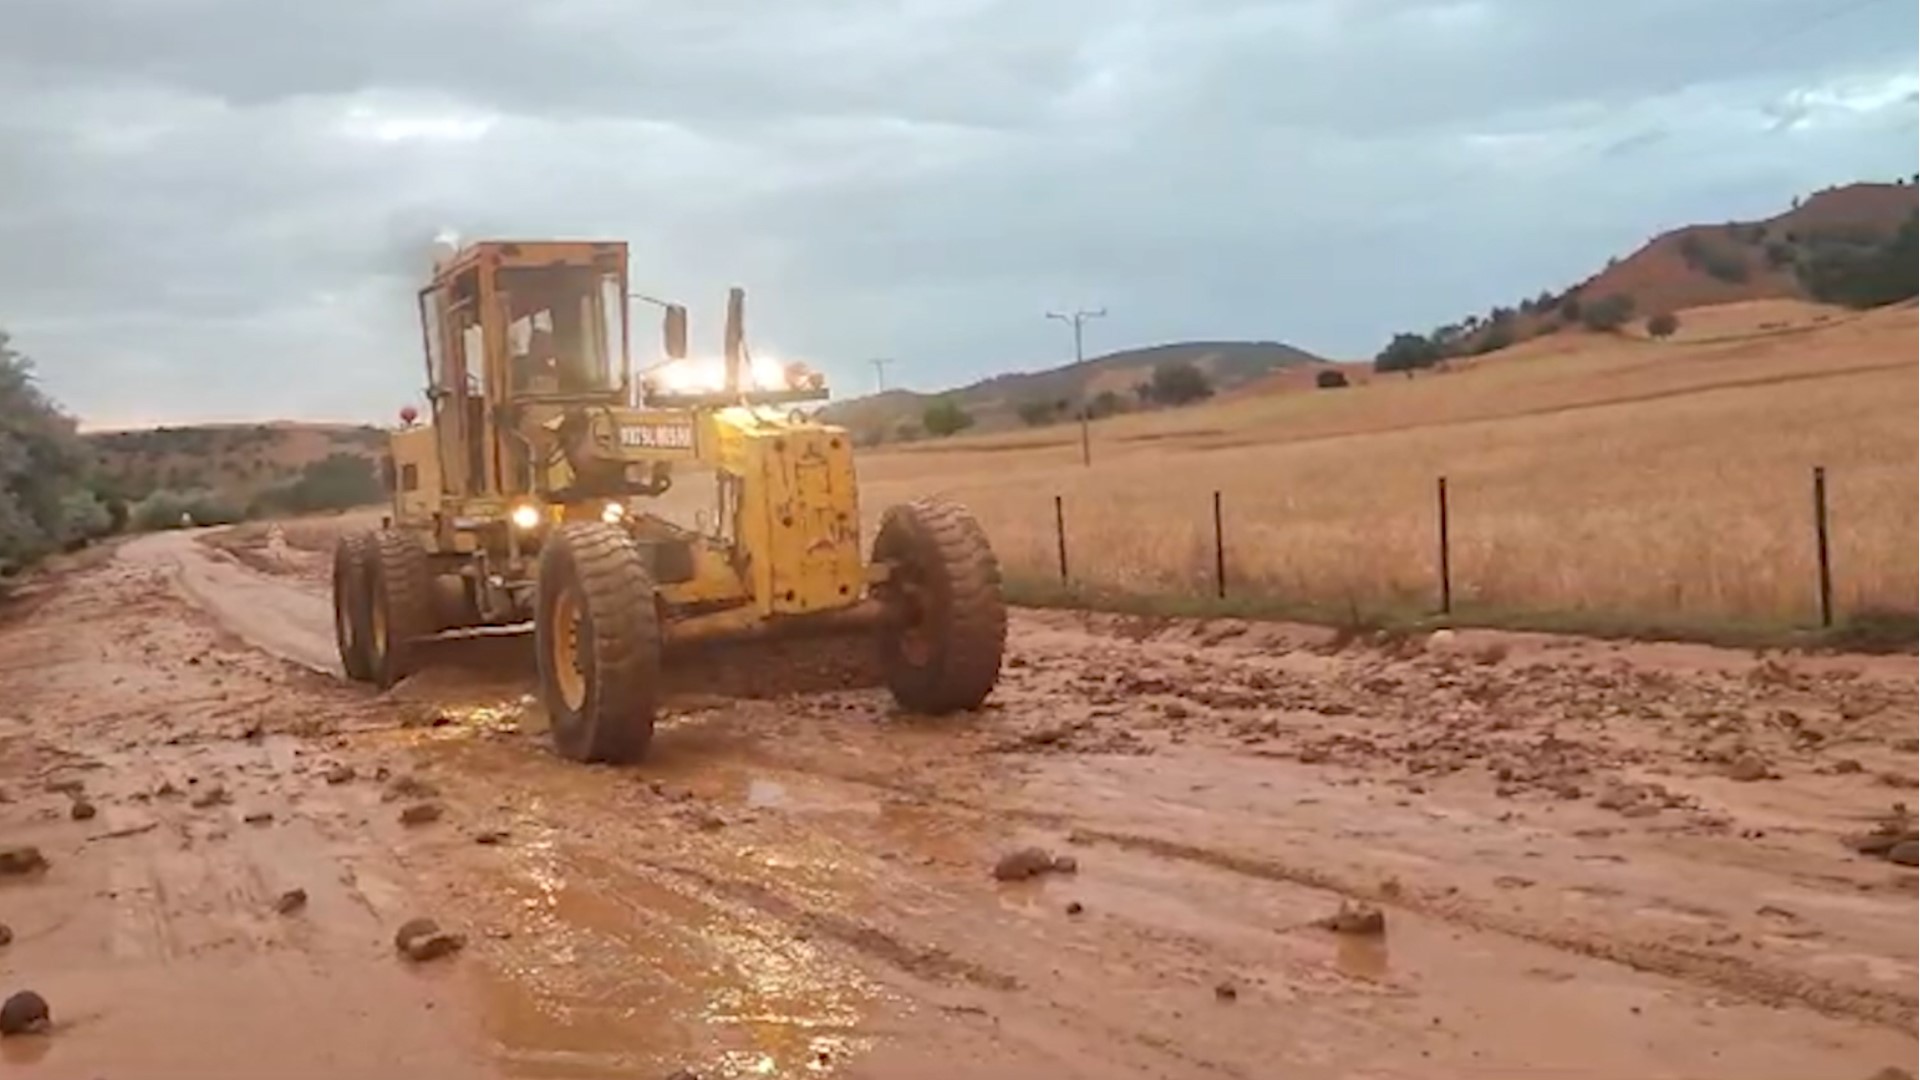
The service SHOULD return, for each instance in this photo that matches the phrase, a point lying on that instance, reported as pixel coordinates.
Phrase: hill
(1105, 384)
(238, 461)
(1803, 253)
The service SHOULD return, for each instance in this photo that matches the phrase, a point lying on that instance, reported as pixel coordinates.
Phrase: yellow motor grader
(527, 494)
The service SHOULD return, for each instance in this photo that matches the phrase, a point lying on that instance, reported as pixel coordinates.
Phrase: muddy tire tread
(968, 667)
(617, 592)
(353, 568)
(401, 581)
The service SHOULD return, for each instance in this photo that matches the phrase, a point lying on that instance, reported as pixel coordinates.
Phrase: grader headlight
(525, 517)
(613, 513)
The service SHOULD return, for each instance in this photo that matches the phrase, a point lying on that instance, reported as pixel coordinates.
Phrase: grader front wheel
(941, 651)
(352, 598)
(400, 607)
(597, 634)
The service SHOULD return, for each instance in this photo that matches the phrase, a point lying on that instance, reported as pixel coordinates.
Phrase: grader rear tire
(400, 611)
(943, 653)
(352, 598)
(596, 629)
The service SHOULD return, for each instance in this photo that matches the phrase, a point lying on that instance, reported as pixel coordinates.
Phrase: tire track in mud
(1760, 983)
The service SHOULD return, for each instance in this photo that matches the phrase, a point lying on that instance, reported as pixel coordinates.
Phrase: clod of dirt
(408, 786)
(490, 837)
(1904, 853)
(216, 795)
(166, 790)
(422, 813)
(683, 1074)
(291, 901)
(1748, 768)
(1891, 1072)
(25, 1013)
(1362, 920)
(1226, 991)
(82, 810)
(66, 787)
(259, 817)
(1066, 864)
(339, 774)
(6, 934)
(1848, 766)
(21, 859)
(421, 940)
(1023, 863)
(1075, 907)
(252, 732)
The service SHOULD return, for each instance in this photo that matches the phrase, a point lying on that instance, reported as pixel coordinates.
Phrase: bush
(1329, 379)
(164, 510)
(946, 417)
(1865, 277)
(1104, 404)
(1607, 313)
(1179, 382)
(1663, 325)
(43, 467)
(1037, 413)
(1407, 352)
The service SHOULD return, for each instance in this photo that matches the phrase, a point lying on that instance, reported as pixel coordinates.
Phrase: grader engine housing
(533, 495)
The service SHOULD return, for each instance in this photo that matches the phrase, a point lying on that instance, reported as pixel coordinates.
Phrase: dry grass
(1592, 478)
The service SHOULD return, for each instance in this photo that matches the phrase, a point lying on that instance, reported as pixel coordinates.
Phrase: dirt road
(1592, 860)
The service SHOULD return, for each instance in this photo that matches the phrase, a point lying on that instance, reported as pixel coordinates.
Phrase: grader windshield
(565, 328)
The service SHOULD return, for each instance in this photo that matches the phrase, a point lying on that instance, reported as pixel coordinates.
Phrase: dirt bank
(1593, 860)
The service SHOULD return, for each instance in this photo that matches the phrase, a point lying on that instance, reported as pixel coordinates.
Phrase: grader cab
(528, 494)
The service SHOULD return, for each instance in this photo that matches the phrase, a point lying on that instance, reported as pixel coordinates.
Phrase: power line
(880, 371)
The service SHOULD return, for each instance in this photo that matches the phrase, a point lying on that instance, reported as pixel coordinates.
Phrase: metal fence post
(1446, 552)
(1060, 533)
(1822, 551)
(1219, 551)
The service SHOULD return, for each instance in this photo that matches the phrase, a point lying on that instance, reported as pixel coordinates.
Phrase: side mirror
(674, 330)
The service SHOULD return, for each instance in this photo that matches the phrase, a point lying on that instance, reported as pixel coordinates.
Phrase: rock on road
(1581, 871)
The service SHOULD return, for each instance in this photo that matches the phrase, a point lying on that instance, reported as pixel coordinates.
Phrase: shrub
(946, 417)
(1179, 382)
(1663, 325)
(1329, 379)
(1607, 313)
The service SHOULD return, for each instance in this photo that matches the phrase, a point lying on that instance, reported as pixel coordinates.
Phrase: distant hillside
(1104, 384)
(1788, 256)
(239, 461)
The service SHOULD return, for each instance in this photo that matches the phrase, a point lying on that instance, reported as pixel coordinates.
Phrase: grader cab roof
(505, 254)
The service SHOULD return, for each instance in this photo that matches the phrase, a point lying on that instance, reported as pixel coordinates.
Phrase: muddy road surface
(1268, 854)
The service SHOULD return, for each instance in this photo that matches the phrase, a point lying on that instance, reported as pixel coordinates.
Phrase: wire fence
(1214, 557)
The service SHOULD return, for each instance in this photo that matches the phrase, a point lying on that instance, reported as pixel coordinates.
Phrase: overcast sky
(219, 209)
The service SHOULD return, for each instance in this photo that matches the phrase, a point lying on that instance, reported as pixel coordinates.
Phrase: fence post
(1086, 439)
(1822, 553)
(1060, 533)
(1219, 551)
(1446, 552)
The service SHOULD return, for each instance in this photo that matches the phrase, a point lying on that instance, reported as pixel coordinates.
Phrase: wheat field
(1590, 479)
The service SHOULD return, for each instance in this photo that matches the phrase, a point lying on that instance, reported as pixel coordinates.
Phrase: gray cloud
(220, 207)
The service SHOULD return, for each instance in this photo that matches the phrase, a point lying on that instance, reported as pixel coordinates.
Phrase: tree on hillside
(1607, 313)
(946, 417)
(1179, 382)
(1330, 379)
(44, 501)
(1037, 413)
(1104, 404)
(1407, 352)
(1864, 276)
(1663, 325)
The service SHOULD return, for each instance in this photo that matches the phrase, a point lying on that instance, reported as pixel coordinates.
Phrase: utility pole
(880, 371)
(1078, 320)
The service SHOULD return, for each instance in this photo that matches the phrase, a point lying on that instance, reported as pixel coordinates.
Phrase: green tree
(1865, 276)
(1179, 382)
(43, 467)
(1407, 352)
(946, 417)
(1607, 313)
(1037, 413)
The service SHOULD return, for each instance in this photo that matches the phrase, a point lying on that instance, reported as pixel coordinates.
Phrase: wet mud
(1577, 867)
